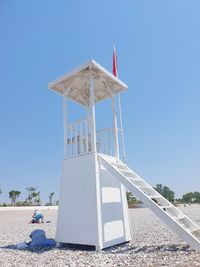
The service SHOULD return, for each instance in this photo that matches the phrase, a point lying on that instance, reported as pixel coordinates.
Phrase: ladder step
(119, 166)
(157, 197)
(135, 179)
(180, 218)
(150, 190)
(126, 171)
(165, 208)
(194, 230)
(145, 188)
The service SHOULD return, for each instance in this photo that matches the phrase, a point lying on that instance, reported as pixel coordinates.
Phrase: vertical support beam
(94, 150)
(92, 114)
(65, 122)
(116, 143)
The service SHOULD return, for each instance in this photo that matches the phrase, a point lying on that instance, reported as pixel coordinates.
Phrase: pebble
(153, 244)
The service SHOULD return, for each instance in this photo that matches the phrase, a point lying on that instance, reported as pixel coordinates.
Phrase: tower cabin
(92, 206)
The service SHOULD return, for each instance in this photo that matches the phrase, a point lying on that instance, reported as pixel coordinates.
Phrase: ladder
(167, 212)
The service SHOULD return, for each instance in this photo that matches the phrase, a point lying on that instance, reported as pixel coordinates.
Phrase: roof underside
(76, 83)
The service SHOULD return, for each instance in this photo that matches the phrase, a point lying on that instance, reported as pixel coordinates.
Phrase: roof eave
(82, 67)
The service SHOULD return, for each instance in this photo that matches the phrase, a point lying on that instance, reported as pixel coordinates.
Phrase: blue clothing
(37, 217)
(39, 239)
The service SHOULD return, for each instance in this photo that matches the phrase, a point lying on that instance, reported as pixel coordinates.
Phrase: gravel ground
(153, 244)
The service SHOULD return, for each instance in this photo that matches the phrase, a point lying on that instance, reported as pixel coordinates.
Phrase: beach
(152, 244)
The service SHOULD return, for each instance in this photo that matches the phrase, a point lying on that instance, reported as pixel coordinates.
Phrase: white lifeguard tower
(93, 206)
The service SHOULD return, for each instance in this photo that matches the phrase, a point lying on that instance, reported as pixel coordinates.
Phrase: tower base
(92, 206)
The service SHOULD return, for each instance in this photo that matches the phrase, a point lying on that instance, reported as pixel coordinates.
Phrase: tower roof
(75, 84)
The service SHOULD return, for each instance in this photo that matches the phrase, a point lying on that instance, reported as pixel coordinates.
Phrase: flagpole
(115, 72)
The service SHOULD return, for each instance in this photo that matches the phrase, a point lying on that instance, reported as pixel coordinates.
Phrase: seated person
(37, 217)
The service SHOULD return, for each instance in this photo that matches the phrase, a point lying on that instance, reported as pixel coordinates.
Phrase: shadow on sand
(43, 249)
(38, 250)
(130, 249)
(118, 249)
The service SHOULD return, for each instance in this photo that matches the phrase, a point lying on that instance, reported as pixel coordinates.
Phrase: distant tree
(191, 197)
(31, 193)
(37, 199)
(186, 198)
(33, 196)
(168, 194)
(51, 197)
(165, 191)
(159, 188)
(196, 197)
(13, 195)
(178, 200)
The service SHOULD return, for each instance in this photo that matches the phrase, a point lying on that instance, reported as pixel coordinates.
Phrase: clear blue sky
(158, 45)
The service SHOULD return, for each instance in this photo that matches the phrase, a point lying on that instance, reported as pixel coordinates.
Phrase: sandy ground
(153, 244)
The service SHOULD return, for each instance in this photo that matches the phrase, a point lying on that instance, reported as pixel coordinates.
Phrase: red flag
(115, 66)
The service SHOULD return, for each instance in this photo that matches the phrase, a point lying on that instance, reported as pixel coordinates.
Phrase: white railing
(105, 142)
(78, 138)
